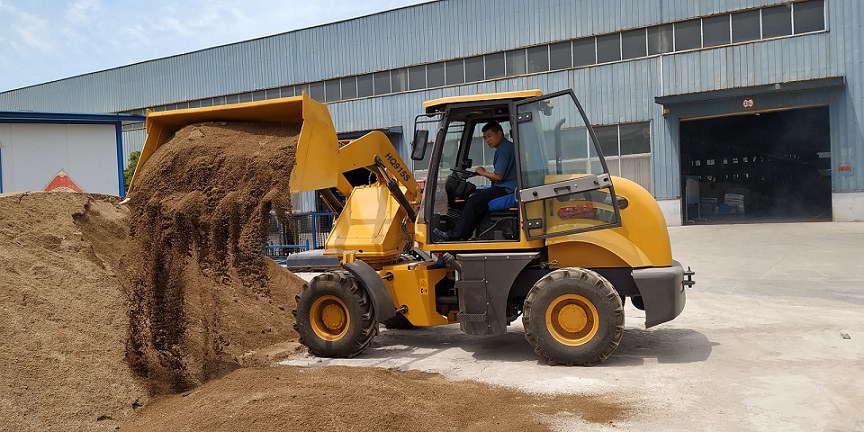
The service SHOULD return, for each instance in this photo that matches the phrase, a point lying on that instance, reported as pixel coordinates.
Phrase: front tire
(573, 316)
(334, 316)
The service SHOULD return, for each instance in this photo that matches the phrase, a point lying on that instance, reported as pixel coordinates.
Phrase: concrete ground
(771, 339)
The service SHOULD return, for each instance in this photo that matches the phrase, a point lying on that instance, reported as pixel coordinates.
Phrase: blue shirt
(504, 163)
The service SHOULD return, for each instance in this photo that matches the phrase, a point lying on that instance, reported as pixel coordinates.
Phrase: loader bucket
(317, 145)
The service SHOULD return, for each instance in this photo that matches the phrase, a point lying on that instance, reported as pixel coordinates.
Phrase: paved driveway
(771, 339)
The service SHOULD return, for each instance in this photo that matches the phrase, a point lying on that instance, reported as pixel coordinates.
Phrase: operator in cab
(503, 179)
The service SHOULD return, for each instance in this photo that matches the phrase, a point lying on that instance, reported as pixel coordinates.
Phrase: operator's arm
(490, 175)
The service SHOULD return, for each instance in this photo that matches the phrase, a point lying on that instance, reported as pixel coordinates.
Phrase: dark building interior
(762, 167)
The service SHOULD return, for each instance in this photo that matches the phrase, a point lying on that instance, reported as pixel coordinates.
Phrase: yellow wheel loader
(571, 246)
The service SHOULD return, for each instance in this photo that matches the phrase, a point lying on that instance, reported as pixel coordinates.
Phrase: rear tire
(573, 316)
(334, 316)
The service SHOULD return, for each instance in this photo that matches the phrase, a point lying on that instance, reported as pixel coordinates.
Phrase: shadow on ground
(665, 345)
(407, 347)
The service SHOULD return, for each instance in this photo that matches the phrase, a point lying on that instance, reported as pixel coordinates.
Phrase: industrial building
(732, 111)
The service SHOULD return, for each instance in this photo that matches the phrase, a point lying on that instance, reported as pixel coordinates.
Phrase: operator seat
(501, 222)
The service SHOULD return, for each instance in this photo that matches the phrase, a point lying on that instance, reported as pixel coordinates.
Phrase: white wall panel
(33, 154)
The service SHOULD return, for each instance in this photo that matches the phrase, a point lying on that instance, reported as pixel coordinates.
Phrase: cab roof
(434, 104)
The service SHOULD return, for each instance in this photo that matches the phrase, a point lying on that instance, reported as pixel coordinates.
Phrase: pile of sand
(63, 325)
(104, 305)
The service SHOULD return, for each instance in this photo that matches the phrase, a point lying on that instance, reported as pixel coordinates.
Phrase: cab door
(564, 183)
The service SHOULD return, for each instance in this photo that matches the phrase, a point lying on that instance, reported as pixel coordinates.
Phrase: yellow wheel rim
(572, 320)
(329, 318)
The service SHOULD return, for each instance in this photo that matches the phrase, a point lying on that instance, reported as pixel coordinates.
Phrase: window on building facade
(538, 58)
(635, 160)
(516, 62)
(607, 136)
(777, 21)
(259, 95)
(745, 26)
(809, 16)
(633, 44)
(382, 82)
(232, 99)
(435, 74)
(272, 93)
(242, 97)
(660, 39)
(474, 69)
(417, 77)
(316, 91)
(300, 88)
(349, 87)
(627, 150)
(494, 65)
(635, 138)
(584, 52)
(365, 85)
(715, 31)
(609, 48)
(688, 35)
(332, 90)
(286, 91)
(399, 80)
(455, 72)
(560, 56)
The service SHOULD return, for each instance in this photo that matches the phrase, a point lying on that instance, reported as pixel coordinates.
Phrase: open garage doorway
(762, 167)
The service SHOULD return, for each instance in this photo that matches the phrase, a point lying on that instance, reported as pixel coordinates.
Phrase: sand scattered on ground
(339, 398)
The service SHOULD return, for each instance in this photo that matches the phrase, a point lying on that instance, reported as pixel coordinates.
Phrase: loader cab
(563, 182)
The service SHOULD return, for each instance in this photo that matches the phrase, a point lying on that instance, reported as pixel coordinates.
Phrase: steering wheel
(464, 172)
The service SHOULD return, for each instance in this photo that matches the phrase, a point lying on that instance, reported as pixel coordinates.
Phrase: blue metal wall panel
(420, 34)
(611, 93)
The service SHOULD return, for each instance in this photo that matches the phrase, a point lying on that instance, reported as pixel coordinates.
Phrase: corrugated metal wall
(612, 93)
(421, 34)
(846, 50)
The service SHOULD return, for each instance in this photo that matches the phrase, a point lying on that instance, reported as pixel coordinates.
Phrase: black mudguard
(662, 290)
(370, 280)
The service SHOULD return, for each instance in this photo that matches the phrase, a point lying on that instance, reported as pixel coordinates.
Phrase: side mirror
(418, 146)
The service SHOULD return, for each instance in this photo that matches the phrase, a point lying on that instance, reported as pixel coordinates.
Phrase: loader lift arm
(375, 153)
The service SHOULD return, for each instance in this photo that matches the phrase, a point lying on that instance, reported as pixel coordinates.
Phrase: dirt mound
(103, 305)
(365, 399)
(63, 319)
(203, 293)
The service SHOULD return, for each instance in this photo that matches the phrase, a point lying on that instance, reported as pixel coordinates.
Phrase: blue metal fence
(299, 232)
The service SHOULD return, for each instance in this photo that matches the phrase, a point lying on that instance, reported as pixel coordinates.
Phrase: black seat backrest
(457, 189)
